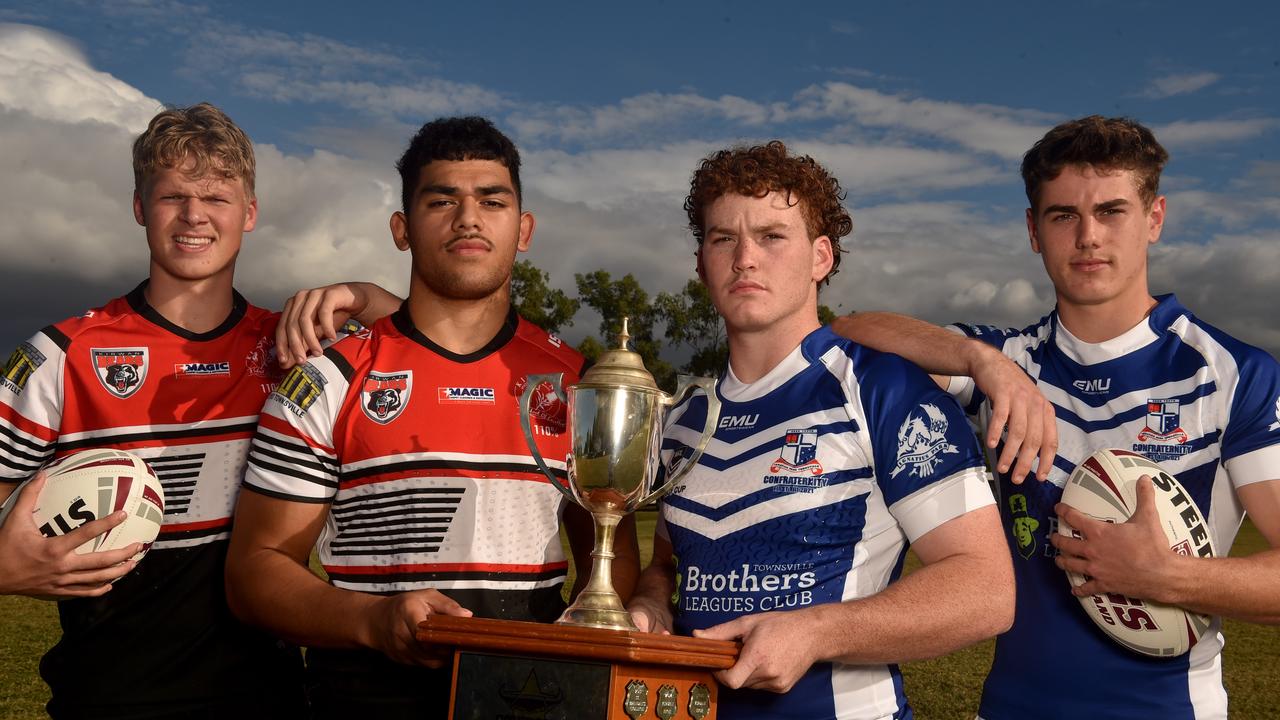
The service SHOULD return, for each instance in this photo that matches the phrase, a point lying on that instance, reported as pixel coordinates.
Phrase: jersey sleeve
(1251, 440)
(927, 461)
(293, 456)
(31, 403)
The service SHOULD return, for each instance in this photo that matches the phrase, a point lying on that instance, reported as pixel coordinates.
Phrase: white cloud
(642, 117)
(1002, 131)
(46, 76)
(1198, 133)
(1180, 84)
(428, 98)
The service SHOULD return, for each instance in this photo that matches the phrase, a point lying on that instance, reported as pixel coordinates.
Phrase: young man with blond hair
(176, 372)
(829, 460)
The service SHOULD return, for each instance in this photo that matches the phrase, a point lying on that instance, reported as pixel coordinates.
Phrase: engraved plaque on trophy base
(518, 670)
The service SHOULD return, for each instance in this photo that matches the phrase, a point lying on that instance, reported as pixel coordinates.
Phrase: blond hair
(201, 135)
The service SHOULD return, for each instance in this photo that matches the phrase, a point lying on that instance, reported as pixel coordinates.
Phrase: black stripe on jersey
(350, 537)
(340, 362)
(10, 448)
(137, 300)
(404, 323)
(286, 470)
(39, 447)
(208, 432)
(261, 438)
(285, 496)
(377, 549)
(364, 518)
(319, 467)
(58, 337)
(177, 476)
(25, 470)
(408, 577)
(358, 499)
(528, 467)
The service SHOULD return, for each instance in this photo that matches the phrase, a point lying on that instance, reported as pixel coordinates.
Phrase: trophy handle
(685, 385)
(531, 383)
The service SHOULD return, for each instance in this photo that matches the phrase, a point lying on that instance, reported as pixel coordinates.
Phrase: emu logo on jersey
(1100, 386)
(921, 439)
(385, 395)
(799, 453)
(24, 361)
(120, 370)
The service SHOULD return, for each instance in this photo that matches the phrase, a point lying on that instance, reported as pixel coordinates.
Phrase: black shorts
(346, 684)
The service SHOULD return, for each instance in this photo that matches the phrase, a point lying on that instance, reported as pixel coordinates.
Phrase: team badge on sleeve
(385, 395)
(24, 361)
(120, 370)
(921, 440)
(1274, 426)
(299, 389)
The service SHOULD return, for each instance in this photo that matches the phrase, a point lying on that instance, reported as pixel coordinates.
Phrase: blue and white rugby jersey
(1203, 405)
(819, 475)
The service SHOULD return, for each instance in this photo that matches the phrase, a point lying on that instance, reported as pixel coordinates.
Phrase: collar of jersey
(1135, 338)
(404, 323)
(734, 390)
(137, 300)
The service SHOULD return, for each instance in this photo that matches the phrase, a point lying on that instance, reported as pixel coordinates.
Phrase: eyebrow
(755, 229)
(1118, 202)
(450, 190)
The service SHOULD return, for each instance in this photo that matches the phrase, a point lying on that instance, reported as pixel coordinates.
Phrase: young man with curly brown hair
(829, 460)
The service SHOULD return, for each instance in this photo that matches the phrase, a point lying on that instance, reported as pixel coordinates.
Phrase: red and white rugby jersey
(419, 453)
(122, 376)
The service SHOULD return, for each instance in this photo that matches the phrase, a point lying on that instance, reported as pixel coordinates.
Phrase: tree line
(661, 327)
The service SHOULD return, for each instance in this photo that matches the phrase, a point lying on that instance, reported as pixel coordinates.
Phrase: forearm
(935, 610)
(269, 589)
(1242, 588)
(935, 349)
(656, 584)
(380, 303)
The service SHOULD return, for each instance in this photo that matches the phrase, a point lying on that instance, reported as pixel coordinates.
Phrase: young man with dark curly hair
(829, 460)
(1123, 369)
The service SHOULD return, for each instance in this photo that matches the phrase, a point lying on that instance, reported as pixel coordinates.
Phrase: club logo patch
(1163, 437)
(298, 391)
(120, 370)
(547, 414)
(799, 453)
(922, 439)
(383, 396)
(17, 370)
(1024, 526)
(262, 358)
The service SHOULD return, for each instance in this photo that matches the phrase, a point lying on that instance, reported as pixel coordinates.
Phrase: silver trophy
(615, 424)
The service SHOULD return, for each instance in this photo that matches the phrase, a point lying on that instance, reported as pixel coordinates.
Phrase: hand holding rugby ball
(1104, 487)
(92, 484)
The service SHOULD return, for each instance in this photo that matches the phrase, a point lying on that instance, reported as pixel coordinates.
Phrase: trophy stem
(598, 605)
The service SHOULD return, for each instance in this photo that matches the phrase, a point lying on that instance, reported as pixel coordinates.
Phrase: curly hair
(1104, 143)
(201, 134)
(762, 169)
(456, 138)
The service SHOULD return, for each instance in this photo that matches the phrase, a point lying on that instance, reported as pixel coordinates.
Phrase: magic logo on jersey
(922, 439)
(383, 396)
(221, 368)
(299, 389)
(466, 395)
(24, 361)
(120, 370)
(1163, 437)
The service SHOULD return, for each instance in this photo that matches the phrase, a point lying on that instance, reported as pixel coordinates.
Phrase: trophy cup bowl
(615, 423)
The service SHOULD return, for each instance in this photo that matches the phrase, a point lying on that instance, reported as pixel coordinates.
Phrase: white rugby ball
(1104, 487)
(92, 484)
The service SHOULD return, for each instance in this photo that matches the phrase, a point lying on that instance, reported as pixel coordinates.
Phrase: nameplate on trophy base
(516, 670)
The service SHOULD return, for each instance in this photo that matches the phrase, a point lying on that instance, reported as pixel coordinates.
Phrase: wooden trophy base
(514, 670)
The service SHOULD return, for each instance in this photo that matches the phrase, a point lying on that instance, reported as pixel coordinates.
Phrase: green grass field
(943, 688)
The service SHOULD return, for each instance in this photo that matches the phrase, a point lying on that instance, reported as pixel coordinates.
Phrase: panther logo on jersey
(120, 370)
(385, 395)
(921, 440)
(24, 361)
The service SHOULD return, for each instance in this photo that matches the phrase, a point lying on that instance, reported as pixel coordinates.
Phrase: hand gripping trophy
(615, 424)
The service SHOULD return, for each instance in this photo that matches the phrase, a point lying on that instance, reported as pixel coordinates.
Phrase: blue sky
(921, 109)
